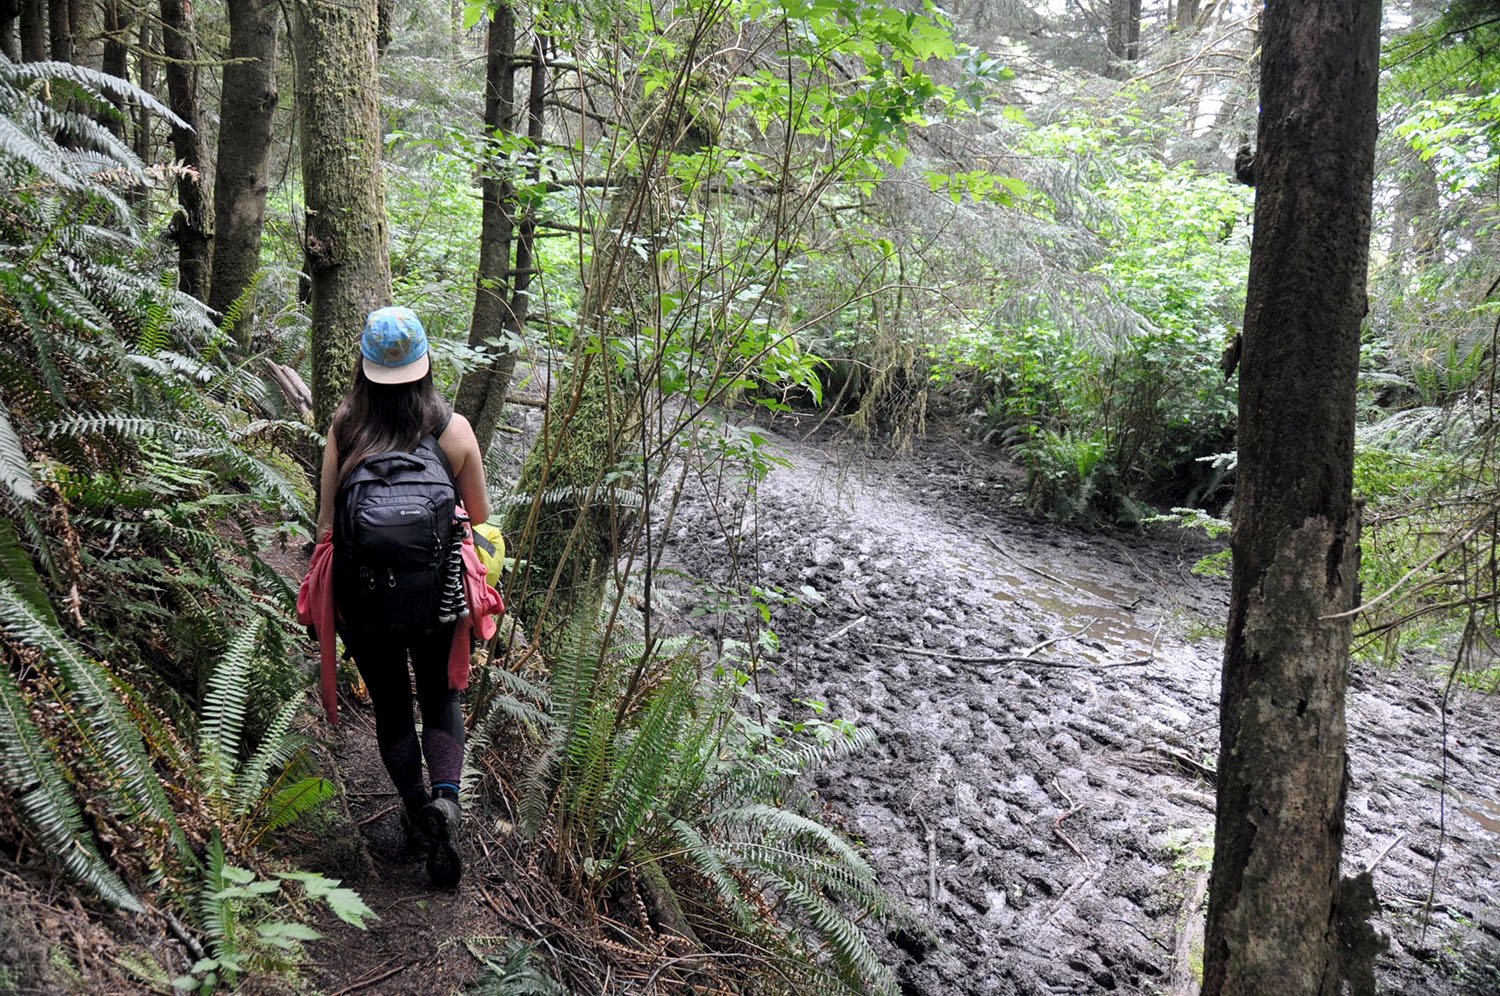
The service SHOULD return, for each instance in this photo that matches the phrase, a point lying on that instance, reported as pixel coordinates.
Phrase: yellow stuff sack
(490, 546)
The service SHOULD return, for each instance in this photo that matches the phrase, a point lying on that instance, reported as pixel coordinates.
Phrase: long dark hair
(378, 418)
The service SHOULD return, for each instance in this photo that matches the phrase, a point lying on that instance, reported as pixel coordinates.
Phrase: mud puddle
(1054, 823)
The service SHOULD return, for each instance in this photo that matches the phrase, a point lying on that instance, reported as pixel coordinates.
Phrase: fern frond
(296, 801)
(706, 858)
(511, 971)
(15, 469)
(276, 750)
(788, 824)
(18, 569)
(34, 774)
(859, 966)
(224, 709)
(89, 79)
(111, 733)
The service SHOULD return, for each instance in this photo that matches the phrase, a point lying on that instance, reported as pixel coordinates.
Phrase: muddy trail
(1053, 823)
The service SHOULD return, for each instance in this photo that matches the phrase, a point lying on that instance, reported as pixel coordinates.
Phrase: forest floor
(1051, 822)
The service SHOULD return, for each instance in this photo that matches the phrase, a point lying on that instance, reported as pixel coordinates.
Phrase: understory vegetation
(864, 217)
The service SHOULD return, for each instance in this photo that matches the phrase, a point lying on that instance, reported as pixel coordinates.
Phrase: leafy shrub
(1107, 381)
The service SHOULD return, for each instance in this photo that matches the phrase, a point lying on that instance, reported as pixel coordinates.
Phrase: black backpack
(392, 534)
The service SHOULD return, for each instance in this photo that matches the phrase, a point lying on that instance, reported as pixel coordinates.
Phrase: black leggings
(382, 663)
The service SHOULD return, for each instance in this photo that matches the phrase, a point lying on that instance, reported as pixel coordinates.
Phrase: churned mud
(1053, 822)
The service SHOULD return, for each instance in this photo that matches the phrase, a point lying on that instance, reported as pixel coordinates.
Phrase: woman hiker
(388, 548)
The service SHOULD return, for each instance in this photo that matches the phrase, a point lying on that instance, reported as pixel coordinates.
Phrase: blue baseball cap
(394, 347)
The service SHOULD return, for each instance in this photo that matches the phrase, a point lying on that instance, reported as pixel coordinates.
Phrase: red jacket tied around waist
(315, 607)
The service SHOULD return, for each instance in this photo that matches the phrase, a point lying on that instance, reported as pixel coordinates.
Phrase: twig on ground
(1385, 850)
(1192, 764)
(1032, 651)
(1035, 570)
(1057, 823)
(1183, 981)
(367, 983)
(842, 630)
(932, 885)
(378, 814)
(181, 933)
(1062, 900)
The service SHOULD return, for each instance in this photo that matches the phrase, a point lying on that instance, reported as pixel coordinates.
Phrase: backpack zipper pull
(390, 577)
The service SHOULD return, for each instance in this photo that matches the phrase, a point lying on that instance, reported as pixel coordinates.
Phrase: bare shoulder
(459, 432)
(458, 440)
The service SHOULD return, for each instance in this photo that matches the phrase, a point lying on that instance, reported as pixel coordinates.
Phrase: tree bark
(10, 11)
(1187, 14)
(147, 63)
(60, 31)
(348, 258)
(481, 395)
(117, 22)
(192, 226)
(33, 30)
(242, 175)
(1124, 41)
(1275, 907)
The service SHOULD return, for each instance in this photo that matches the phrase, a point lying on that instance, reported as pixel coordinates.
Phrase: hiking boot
(439, 821)
(411, 826)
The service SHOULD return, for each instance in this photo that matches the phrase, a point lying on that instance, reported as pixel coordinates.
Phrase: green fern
(511, 971)
(110, 732)
(15, 469)
(223, 719)
(34, 774)
(17, 568)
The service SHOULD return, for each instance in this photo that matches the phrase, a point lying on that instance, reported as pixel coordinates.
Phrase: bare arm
(328, 484)
(462, 449)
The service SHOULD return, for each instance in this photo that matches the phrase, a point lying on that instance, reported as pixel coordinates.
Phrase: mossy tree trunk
(1279, 919)
(346, 240)
(243, 163)
(193, 226)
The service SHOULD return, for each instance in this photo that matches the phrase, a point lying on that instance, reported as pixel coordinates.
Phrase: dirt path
(420, 944)
(1054, 824)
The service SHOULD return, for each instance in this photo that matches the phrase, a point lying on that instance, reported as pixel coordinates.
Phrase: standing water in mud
(1046, 707)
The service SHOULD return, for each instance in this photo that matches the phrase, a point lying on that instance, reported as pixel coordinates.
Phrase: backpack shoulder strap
(433, 443)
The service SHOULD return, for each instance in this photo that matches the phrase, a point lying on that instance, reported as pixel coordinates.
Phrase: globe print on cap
(394, 347)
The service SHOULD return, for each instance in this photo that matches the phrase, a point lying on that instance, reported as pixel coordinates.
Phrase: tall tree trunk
(347, 255)
(88, 46)
(60, 31)
(481, 395)
(10, 47)
(192, 225)
(33, 30)
(243, 162)
(117, 22)
(146, 60)
(1187, 14)
(1279, 919)
(1124, 41)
